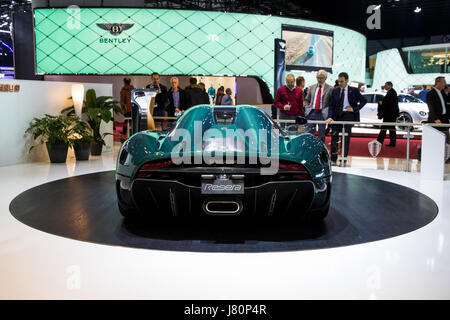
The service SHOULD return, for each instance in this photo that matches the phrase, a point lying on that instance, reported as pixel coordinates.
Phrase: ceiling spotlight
(417, 9)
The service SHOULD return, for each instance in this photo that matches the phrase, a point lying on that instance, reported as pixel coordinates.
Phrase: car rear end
(164, 189)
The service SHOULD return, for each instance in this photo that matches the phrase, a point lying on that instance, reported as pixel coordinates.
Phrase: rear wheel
(127, 212)
(134, 215)
(317, 215)
(313, 216)
(320, 214)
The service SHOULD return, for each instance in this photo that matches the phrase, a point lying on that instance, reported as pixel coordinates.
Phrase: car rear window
(224, 116)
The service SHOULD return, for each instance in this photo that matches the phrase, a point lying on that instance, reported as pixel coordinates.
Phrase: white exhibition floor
(38, 265)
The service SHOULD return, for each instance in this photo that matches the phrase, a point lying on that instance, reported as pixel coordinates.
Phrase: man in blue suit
(344, 106)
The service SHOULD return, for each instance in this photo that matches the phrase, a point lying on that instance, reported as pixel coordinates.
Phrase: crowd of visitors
(319, 101)
(174, 101)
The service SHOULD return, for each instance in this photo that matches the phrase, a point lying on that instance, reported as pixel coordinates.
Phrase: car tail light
(292, 167)
(143, 173)
(302, 173)
(303, 176)
(155, 165)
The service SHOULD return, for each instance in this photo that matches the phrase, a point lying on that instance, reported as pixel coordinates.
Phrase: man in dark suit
(447, 98)
(345, 104)
(161, 99)
(437, 106)
(388, 111)
(195, 94)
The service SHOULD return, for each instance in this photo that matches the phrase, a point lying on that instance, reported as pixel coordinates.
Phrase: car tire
(312, 216)
(319, 215)
(405, 118)
(127, 212)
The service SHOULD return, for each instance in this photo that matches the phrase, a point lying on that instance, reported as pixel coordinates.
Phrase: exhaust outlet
(222, 207)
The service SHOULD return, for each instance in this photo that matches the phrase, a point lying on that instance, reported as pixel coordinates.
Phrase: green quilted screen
(142, 41)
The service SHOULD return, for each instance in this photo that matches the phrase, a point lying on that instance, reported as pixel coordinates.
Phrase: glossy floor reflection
(36, 264)
(386, 164)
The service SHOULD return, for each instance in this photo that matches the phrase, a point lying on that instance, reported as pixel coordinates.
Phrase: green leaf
(106, 115)
(102, 99)
(69, 110)
(52, 128)
(93, 113)
(91, 99)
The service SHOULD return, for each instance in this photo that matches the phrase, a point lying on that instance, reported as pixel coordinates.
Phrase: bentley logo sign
(115, 28)
(374, 148)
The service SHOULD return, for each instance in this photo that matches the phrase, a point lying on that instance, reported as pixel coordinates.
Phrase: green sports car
(224, 161)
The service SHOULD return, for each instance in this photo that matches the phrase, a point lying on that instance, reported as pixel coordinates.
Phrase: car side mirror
(301, 121)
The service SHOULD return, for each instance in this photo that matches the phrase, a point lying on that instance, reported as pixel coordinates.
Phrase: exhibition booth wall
(30, 99)
(246, 90)
(183, 42)
(390, 67)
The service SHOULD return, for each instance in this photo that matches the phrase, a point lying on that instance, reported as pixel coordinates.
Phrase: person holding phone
(289, 100)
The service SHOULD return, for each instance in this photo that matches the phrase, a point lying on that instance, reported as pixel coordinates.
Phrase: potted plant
(54, 131)
(81, 138)
(97, 109)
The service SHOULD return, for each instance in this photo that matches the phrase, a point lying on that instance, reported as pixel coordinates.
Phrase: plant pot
(96, 148)
(82, 151)
(57, 152)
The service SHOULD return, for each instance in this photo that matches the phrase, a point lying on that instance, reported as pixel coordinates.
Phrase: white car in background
(412, 110)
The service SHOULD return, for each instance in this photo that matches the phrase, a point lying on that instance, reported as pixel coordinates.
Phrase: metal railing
(373, 125)
(368, 125)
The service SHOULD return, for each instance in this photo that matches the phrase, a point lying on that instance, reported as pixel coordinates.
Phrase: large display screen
(308, 49)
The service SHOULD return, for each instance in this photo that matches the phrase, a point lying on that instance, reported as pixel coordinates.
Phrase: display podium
(433, 154)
